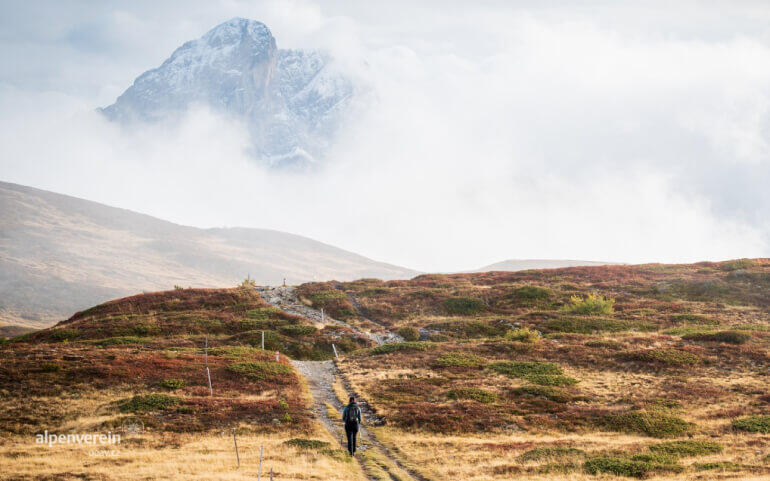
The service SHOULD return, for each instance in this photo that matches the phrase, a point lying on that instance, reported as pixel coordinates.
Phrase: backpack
(351, 415)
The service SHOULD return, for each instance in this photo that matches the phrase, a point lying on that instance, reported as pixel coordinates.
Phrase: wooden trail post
(259, 471)
(271, 474)
(263, 340)
(237, 457)
(277, 357)
(335, 349)
(322, 315)
(208, 373)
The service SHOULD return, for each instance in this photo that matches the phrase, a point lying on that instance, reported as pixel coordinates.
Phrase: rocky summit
(292, 101)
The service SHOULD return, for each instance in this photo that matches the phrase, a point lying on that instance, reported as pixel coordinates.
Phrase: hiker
(351, 416)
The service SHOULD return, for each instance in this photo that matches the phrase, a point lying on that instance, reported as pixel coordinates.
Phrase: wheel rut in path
(320, 377)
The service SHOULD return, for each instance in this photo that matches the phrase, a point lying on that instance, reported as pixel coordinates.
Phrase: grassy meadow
(654, 371)
(137, 367)
(610, 372)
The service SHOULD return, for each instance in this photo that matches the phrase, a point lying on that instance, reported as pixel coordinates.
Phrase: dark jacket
(347, 408)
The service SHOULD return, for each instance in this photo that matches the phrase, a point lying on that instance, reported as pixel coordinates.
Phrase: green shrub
(687, 330)
(694, 319)
(617, 466)
(523, 369)
(551, 380)
(273, 340)
(172, 383)
(458, 359)
(149, 402)
(306, 443)
(650, 423)
(260, 370)
(325, 297)
(728, 337)
(721, 465)
(408, 333)
(668, 356)
(687, 448)
(531, 293)
(551, 453)
(605, 344)
(262, 313)
(142, 328)
(753, 424)
(50, 367)
(260, 324)
(474, 394)
(64, 334)
(208, 325)
(334, 302)
(546, 392)
(752, 327)
(469, 328)
(656, 458)
(464, 305)
(120, 341)
(234, 352)
(524, 334)
(589, 325)
(591, 304)
(638, 466)
(295, 330)
(400, 346)
(736, 265)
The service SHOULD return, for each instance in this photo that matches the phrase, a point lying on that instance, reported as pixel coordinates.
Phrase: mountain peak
(291, 103)
(236, 29)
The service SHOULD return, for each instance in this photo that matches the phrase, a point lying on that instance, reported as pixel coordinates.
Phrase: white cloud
(489, 134)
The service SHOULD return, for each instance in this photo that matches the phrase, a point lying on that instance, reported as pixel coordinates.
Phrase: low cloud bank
(565, 139)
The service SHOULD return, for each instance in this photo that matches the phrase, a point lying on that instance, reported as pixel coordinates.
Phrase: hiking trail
(377, 460)
(286, 298)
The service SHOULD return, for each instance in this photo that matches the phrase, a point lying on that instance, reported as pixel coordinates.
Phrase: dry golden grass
(162, 455)
(495, 457)
(708, 396)
(176, 457)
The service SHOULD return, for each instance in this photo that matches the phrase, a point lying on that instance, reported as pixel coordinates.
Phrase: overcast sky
(587, 130)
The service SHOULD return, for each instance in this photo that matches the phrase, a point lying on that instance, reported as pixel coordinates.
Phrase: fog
(488, 132)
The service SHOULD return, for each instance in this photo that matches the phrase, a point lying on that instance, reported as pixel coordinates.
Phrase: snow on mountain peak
(236, 29)
(290, 100)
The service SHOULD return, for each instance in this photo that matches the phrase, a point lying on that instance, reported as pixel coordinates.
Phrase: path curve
(321, 376)
(286, 298)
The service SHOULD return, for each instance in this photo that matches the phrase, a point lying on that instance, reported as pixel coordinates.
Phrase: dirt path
(377, 461)
(286, 298)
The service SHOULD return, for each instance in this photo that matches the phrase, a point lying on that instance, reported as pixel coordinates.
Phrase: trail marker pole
(259, 472)
(322, 315)
(208, 373)
(271, 474)
(277, 358)
(263, 340)
(335, 349)
(237, 457)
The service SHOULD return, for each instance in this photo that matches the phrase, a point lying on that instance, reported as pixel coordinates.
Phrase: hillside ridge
(61, 254)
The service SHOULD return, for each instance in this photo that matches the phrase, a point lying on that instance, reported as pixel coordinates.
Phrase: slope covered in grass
(143, 356)
(656, 371)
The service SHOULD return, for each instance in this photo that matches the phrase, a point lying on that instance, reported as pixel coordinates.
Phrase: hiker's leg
(353, 436)
(351, 440)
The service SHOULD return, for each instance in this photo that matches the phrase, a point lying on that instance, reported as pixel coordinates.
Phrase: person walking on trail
(351, 416)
